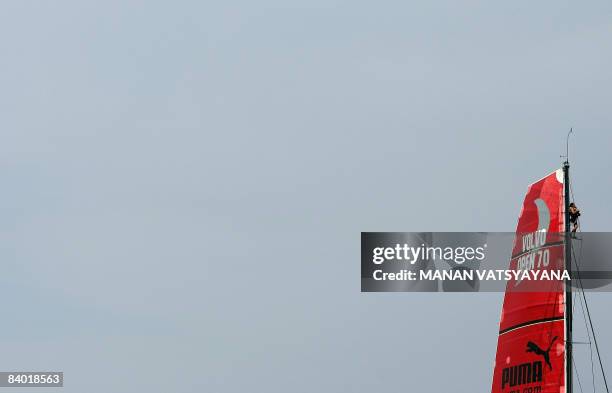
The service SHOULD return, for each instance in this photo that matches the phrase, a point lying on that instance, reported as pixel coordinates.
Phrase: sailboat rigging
(534, 349)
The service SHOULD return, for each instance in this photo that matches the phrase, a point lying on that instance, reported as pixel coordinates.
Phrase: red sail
(531, 344)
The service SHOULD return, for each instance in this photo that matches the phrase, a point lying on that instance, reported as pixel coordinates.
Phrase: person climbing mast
(574, 213)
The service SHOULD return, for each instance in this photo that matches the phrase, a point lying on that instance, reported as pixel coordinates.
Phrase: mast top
(566, 163)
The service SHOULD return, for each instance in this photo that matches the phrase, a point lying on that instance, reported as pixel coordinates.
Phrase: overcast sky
(185, 183)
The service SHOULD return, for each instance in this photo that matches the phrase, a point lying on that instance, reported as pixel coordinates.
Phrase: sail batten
(534, 322)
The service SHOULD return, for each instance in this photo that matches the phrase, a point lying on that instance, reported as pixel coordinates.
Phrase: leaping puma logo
(533, 347)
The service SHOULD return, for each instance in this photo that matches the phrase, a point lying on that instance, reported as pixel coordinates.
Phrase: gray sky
(184, 183)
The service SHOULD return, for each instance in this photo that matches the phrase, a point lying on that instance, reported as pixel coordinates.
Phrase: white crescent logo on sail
(543, 215)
